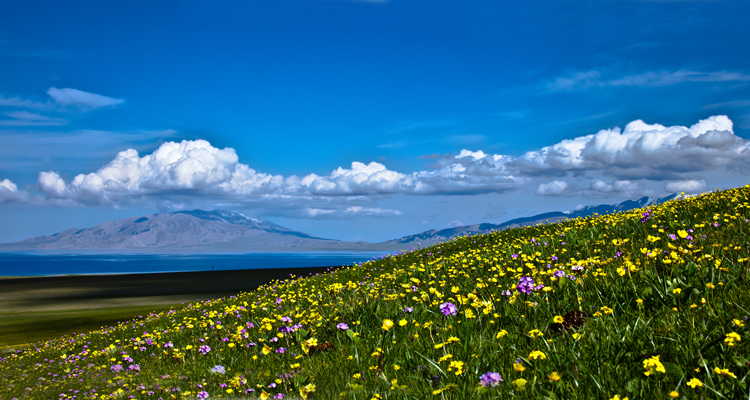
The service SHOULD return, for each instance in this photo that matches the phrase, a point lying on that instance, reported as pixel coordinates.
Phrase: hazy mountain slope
(187, 230)
(433, 236)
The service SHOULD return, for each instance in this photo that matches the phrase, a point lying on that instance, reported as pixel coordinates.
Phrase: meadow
(650, 303)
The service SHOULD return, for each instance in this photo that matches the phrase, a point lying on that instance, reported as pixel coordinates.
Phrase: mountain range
(226, 231)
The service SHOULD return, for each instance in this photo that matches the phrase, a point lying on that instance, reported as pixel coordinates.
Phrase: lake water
(44, 264)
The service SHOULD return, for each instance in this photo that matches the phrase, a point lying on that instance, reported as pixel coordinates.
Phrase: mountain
(195, 230)
(225, 231)
(433, 236)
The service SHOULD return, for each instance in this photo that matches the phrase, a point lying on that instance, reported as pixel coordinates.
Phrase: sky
(365, 120)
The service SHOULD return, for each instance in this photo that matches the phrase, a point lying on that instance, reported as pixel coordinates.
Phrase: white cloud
(83, 100)
(26, 118)
(554, 188)
(587, 79)
(9, 193)
(22, 103)
(188, 170)
(642, 151)
(688, 186)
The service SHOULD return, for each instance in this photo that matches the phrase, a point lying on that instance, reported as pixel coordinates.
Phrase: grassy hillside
(651, 303)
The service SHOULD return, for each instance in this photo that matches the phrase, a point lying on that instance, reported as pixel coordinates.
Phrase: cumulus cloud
(688, 186)
(195, 169)
(642, 151)
(554, 188)
(83, 100)
(9, 193)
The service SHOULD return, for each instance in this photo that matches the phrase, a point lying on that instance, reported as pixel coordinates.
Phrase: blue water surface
(45, 264)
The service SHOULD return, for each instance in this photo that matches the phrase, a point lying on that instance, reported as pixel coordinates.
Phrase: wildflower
(218, 369)
(738, 323)
(652, 364)
(116, 368)
(724, 372)
(134, 367)
(693, 383)
(674, 394)
(408, 310)
(403, 322)
(448, 309)
(266, 350)
(387, 324)
(457, 365)
(577, 336)
(490, 379)
(537, 355)
(342, 326)
(554, 376)
(204, 350)
(518, 367)
(617, 397)
(501, 334)
(731, 338)
(202, 395)
(519, 383)
(559, 273)
(677, 291)
(535, 333)
(525, 285)
(306, 390)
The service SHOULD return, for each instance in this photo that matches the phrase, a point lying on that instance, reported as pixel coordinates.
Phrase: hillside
(650, 303)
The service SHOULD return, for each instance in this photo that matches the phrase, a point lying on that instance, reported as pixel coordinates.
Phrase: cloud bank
(83, 100)
(612, 161)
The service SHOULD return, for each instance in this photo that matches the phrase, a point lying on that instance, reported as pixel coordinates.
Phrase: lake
(46, 264)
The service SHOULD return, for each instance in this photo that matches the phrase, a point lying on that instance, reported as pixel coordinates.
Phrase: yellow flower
(387, 324)
(535, 333)
(518, 367)
(682, 233)
(724, 372)
(264, 396)
(554, 377)
(677, 291)
(617, 397)
(457, 365)
(693, 383)
(710, 285)
(357, 375)
(403, 322)
(537, 355)
(266, 350)
(652, 364)
(738, 323)
(501, 334)
(520, 383)
(673, 394)
(577, 336)
(558, 319)
(230, 391)
(731, 338)
(639, 301)
(306, 390)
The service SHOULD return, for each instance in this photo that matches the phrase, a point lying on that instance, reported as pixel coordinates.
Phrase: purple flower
(673, 236)
(134, 367)
(202, 395)
(204, 350)
(514, 255)
(286, 319)
(716, 224)
(218, 369)
(490, 379)
(577, 268)
(525, 285)
(168, 344)
(559, 273)
(116, 368)
(281, 350)
(279, 396)
(342, 326)
(506, 293)
(448, 309)
(408, 310)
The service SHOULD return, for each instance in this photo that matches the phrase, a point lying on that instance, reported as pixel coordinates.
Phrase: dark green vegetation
(34, 309)
(651, 303)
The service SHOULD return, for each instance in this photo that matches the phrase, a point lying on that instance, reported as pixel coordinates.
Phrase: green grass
(662, 316)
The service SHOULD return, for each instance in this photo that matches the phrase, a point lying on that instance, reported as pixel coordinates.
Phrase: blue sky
(455, 112)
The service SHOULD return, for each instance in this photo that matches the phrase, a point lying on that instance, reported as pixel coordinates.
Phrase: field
(652, 303)
(41, 308)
